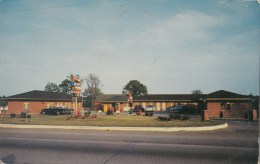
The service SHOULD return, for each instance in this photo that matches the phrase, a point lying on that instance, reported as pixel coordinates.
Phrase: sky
(171, 46)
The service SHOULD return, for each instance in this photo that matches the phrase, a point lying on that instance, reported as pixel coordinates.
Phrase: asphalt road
(236, 144)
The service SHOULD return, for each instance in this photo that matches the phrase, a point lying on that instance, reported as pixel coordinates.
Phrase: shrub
(12, 115)
(185, 117)
(110, 112)
(175, 116)
(163, 118)
(23, 115)
(221, 114)
(87, 113)
(179, 117)
(148, 113)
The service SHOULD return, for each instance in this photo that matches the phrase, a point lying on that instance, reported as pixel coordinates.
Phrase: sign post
(75, 85)
(130, 100)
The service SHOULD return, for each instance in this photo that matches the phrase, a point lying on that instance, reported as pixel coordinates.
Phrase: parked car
(137, 108)
(180, 112)
(56, 111)
(183, 110)
(149, 110)
(177, 109)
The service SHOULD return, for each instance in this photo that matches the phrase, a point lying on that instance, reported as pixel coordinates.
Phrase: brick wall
(237, 109)
(35, 107)
(15, 107)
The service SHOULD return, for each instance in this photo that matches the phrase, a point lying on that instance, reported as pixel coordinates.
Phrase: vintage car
(56, 111)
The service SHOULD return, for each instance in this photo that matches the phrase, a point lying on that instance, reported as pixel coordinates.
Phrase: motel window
(48, 105)
(26, 105)
(158, 107)
(228, 106)
(225, 106)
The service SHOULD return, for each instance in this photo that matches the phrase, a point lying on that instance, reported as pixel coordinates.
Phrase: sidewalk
(144, 129)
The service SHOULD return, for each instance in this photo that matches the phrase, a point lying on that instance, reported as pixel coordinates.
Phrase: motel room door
(158, 106)
(163, 107)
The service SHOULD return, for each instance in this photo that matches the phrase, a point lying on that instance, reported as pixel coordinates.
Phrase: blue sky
(171, 46)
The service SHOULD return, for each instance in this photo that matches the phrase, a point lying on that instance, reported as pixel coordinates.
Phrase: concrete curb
(145, 129)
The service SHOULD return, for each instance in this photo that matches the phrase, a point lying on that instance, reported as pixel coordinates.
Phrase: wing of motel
(160, 101)
(35, 101)
(231, 104)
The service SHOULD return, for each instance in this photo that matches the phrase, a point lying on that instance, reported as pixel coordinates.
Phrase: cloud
(179, 30)
(170, 50)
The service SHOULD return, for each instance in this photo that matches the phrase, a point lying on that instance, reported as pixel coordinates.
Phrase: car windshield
(176, 108)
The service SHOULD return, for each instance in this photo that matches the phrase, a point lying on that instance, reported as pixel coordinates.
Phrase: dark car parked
(137, 108)
(56, 111)
(177, 109)
(183, 110)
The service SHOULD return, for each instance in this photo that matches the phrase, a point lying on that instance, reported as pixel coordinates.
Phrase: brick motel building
(231, 104)
(35, 101)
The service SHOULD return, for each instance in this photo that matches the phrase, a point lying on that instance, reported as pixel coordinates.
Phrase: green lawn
(104, 120)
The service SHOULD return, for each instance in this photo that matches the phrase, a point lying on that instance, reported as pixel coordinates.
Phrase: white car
(149, 108)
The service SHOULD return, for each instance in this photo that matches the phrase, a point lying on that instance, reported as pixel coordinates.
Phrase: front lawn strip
(110, 120)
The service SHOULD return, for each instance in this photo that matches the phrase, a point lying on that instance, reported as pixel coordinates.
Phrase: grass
(104, 120)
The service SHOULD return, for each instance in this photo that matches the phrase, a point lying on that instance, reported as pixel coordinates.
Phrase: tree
(52, 87)
(3, 101)
(93, 88)
(196, 92)
(64, 86)
(136, 88)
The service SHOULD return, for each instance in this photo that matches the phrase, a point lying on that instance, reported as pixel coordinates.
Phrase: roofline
(39, 99)
(110, 101)
(209, 99)
(161, 100)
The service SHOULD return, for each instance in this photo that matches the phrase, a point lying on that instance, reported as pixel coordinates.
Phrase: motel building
(35, 101)
(231, 104)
